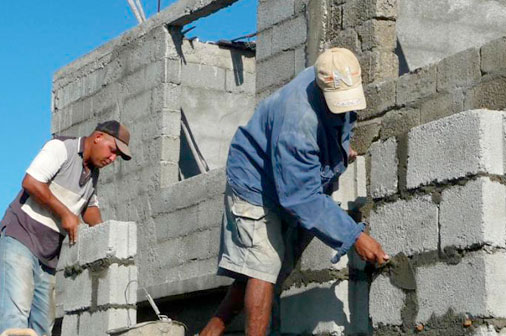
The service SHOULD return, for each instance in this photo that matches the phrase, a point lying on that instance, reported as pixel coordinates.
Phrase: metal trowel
(398, 269)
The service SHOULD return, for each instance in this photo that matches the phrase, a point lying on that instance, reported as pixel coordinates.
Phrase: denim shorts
(252, 243)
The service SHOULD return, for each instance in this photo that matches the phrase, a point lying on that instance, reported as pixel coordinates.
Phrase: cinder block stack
(447, 212)
(97, 279)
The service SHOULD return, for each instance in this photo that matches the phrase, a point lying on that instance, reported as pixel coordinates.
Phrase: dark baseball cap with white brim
(120, 134)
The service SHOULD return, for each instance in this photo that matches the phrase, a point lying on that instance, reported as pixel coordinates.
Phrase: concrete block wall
(96, 286)
(187, 218)
(292, 33)
(447, 213)
(146, 78)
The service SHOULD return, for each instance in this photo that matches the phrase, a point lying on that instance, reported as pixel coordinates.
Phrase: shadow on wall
(238, 67)
(314, 311)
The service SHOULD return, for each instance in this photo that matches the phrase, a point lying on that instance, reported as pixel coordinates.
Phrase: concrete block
(317, 257)
(218, 56)
(166, 96)
(380, 98)
(172, 328)
(173, 70)
(315, 309)
(110, 240)
(78, 292)
(272, 12)
(379, 34)
(385, 302)
(289, 34)
(70, 325)
(459, 70)
(463, 144)
(441, 105)
(334, 22)
(137, 105)
(60, 286)
(484, 330)
(473, 214)
(300, 59)
(117, 285)
(189, 192)
(365, 134)
(200, 245)
(102, 321)
(348, 39)
(170, 122)
(203, 76)
(69, 254)
(264, 44)
(170, 147)
(351, 187)
(416, 85)
(409, 226)
(489, 94)
(239, 82)
(480, 276)
(177, 223)
(357, 11)
(493, 56)
(186, 275)
(378, 65)
(384, 163)
(275, 70)
(398, 122)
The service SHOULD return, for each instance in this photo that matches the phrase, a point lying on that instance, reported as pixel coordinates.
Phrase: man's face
(103, 150)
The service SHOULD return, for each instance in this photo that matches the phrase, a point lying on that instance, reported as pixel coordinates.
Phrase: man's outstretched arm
(297, 167)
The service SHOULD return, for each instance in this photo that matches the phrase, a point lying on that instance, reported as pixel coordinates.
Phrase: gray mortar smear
(300, 278)
(434, 189)
(449, 324)
(96, 266)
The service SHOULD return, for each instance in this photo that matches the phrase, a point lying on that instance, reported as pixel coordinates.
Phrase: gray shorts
(252, 242)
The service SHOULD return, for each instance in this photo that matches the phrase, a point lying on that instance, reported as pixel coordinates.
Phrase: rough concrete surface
(473, 286)
(318, 309)
(385, 302)
(384, 162)
(473, 214)
(160, 328)
(453, 147)
(351, 190)
(409, 226)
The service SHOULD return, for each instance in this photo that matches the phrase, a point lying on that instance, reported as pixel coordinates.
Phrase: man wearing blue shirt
(280, 170)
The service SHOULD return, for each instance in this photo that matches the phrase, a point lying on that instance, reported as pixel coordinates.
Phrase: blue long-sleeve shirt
(290, 153)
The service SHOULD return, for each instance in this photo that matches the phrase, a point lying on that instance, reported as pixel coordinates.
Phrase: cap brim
(123, 149)
(341, 101)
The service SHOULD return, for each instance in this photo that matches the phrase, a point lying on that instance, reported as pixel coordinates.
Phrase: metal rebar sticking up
(136, 7)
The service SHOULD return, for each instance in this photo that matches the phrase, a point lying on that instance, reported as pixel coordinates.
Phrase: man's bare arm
(92, 216)
(43, 195)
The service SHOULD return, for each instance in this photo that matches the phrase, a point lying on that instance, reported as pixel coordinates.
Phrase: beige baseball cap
(338, 74)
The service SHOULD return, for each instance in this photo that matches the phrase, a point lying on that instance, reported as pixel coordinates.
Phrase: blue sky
(39, 37)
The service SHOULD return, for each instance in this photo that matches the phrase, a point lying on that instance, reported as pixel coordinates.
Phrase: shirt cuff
(348, 243)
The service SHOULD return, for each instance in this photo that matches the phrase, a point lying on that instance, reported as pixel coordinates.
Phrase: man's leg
(42, 315)
(258, 305)
(231, 305)
(16, 283)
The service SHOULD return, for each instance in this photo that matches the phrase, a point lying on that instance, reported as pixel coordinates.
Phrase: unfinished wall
(148, 76)
(292, 33)
(146, 79)
(96, 286)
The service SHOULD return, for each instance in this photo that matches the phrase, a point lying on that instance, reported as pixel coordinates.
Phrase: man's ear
(98, 137)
